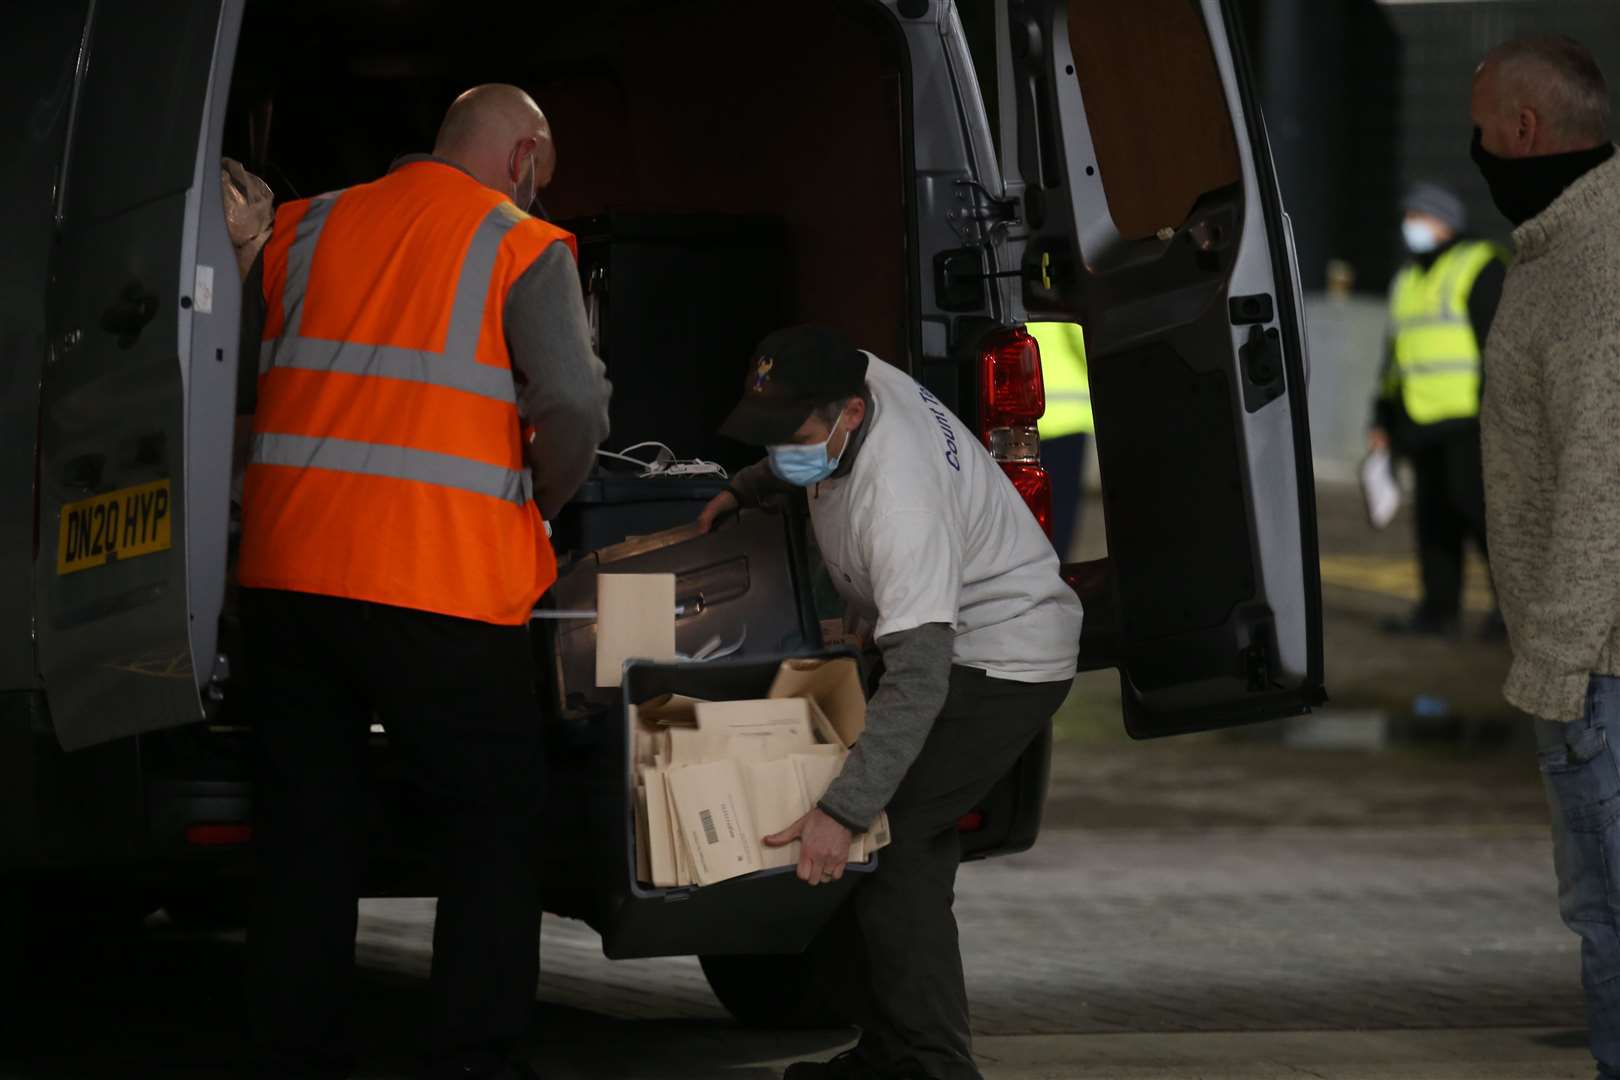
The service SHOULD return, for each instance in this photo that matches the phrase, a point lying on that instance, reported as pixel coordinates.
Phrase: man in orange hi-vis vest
(427, 397)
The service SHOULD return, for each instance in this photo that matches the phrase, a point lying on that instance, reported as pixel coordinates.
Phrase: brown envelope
(713, 817)
(635, 620)
(694, 746)
(669, 710)
(783, 716)
(835, 687)
(776, 796)
(818, 771)
(660, 838)
(683, 859)
(878, 836)
(644, 872)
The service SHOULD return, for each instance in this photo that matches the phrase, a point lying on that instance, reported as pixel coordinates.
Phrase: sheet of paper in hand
(1380, 488)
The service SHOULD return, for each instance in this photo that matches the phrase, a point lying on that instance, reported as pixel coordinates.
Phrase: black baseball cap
(792, 373)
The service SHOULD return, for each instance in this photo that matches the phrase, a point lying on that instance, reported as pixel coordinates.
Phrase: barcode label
(709, 832)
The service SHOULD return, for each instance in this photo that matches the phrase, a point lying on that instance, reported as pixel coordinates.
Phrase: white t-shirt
(926, 528)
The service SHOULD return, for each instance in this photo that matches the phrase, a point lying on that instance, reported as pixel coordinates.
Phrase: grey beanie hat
(1438, 202)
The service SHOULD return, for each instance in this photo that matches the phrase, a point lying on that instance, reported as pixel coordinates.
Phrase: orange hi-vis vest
(387, 460)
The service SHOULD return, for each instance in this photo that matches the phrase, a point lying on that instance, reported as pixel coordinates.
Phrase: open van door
(1148, 211)
(137, 395)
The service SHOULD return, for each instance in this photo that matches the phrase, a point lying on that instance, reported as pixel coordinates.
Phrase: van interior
(727, 170)
(757, 149)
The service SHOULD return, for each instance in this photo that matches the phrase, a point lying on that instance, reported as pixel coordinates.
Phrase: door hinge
(978, 215)
(959, 272)
(1256, 668)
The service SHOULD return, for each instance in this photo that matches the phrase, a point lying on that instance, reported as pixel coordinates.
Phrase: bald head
(499, 135)
(1542, 95)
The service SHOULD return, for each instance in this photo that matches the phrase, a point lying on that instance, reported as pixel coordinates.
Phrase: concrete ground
(1325, 899)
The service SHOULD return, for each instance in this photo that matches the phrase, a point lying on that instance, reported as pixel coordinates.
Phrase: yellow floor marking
(1397, 576)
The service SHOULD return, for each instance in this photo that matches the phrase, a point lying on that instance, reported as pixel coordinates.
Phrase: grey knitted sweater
(1551, 429)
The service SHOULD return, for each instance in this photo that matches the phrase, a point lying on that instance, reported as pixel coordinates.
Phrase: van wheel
(770, 991)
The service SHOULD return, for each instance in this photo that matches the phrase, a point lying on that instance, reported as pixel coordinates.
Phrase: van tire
(769, 991)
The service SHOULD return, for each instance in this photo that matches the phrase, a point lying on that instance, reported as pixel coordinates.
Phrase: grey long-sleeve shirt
(562, 386)
(916, 680)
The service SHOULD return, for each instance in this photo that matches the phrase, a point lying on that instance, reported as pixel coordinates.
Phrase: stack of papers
(713, 778)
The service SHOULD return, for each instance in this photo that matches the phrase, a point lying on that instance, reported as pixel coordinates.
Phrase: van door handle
(129, 315)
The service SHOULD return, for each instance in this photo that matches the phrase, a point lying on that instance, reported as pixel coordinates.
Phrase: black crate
(768, 912)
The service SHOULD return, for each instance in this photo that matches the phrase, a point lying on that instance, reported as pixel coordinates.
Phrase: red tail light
(218, 835)
(1036, 488)
(1011, 393)
(1012, 397)
(972, 821)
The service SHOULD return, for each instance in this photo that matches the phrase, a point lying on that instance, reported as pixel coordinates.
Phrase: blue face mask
(803, 465)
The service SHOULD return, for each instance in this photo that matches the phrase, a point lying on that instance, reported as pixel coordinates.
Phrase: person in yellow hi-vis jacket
(1066, 426)
(1440, 305)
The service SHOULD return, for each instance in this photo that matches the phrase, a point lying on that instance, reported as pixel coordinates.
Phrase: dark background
(1362, 98)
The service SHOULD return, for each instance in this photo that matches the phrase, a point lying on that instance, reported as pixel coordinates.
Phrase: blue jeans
(1580, 763)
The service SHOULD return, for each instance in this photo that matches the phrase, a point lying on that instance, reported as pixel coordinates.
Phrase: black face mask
(1523, 187)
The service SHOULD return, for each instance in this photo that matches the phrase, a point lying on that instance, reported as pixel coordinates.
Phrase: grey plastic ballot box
(771, 911)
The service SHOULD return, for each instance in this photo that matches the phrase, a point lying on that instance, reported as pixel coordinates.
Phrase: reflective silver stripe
(1448, 294)
(1430, 322)
(300, 257)
(395, 462)
(477, 271)
(391, 362)
(1439, 367)
(456, 368)
(1068, 395)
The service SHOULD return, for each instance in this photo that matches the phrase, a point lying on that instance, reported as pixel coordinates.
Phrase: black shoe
(846, 1066)
(1420, 625)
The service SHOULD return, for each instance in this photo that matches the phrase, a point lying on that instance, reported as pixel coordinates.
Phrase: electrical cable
(665, 463)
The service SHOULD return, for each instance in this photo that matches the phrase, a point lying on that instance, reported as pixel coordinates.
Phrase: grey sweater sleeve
(563, 389)
(916, 680)
(1561, 627)
(757, 482)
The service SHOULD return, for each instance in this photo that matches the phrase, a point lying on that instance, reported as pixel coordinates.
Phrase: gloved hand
(249, 212)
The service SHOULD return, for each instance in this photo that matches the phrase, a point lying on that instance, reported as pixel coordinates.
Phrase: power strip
(666, 463)
(690, 468)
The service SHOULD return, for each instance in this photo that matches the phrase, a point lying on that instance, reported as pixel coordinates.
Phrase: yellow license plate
(121, 524)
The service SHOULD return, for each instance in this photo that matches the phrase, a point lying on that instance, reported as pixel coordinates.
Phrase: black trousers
(457, 699)
(893, 956)
(1450, 509)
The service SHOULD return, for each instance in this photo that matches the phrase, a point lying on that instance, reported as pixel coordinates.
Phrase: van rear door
(142, 326)
(1148, 211)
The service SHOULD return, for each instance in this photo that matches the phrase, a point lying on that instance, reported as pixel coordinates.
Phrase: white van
(932, 175)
